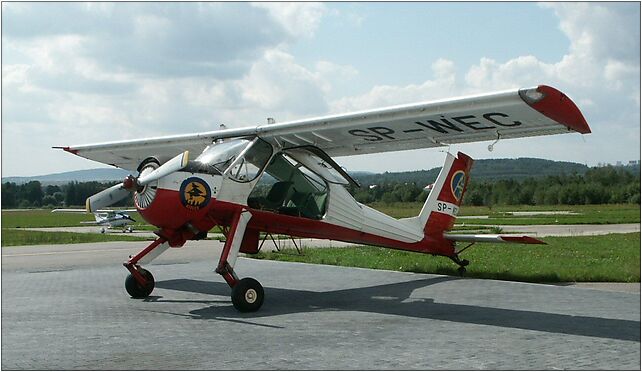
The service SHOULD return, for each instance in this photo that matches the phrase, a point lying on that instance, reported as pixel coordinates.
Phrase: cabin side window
(288, 187)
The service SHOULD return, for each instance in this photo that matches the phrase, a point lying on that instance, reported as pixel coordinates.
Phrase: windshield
(221, 155)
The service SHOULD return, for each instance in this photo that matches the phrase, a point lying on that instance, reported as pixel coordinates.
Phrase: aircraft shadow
(393, 299)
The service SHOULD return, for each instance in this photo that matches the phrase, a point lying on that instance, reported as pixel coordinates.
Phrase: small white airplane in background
(106, 218)
(304, 190)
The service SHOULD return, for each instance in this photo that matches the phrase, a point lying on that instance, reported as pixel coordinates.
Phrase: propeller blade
(106, 198)
(175, 164)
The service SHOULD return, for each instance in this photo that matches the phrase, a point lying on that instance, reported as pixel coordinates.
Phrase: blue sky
(75, 73)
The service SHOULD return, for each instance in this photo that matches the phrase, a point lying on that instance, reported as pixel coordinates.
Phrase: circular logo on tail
(195, 193)
(457, 183)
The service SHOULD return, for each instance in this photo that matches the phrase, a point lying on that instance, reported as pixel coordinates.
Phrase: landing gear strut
(140, 282)
(247, 293)
(462, 264)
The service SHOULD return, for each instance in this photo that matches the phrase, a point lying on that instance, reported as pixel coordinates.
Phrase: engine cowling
(177, 199)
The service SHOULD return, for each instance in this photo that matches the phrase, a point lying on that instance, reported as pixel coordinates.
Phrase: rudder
(442, 205)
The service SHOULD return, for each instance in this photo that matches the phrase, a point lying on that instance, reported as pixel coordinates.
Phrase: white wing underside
(422, 125)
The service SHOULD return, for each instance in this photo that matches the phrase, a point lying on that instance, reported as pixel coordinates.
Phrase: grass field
(588, 214)
(44, 218)
(14, 237)
(607, 258)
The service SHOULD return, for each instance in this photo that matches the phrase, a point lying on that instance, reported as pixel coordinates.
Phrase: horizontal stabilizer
(493, 238)
(84, 211)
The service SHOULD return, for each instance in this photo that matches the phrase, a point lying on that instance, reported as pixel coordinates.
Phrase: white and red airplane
(280, 178)
(106, 218)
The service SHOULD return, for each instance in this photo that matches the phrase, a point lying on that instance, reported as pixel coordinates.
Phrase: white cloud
(299, 19)
(277, 80)
(443, 84)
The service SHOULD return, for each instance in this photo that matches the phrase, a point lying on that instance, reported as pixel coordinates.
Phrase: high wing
(510, 114)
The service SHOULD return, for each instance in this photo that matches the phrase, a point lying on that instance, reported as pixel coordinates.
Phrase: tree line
(603, 185)
(34, 195)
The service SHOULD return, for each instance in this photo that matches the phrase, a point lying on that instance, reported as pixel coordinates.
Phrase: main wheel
(247, 295)
(135, 289)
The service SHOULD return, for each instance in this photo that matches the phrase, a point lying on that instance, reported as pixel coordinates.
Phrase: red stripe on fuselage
(308, 228)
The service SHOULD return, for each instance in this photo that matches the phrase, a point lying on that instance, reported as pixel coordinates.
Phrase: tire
(135, 289)
(247, 295)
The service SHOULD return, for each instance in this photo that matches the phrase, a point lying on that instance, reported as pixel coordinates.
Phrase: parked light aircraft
(303, 190)
(106, 218)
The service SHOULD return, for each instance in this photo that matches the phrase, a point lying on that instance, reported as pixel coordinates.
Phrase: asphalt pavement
(65, 307)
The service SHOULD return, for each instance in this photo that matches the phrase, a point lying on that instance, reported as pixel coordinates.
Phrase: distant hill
(483, 169)
(98, 174)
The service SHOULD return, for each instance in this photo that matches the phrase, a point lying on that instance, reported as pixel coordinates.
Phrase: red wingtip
(557, 106)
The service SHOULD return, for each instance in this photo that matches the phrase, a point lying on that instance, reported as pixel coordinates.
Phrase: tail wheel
(135, 289)
(247, 295)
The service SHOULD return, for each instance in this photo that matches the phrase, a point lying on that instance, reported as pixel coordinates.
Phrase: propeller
(120, 191)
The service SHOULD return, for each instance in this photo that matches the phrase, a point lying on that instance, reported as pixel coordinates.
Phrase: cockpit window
(240, 159)
(221, 155)
(250, 162)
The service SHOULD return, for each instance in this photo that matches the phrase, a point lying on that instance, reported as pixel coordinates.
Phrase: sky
(77, 73)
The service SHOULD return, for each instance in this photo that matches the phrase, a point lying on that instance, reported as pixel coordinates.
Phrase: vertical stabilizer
(440, 209)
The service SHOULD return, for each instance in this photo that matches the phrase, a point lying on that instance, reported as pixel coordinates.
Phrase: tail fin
(440, 209)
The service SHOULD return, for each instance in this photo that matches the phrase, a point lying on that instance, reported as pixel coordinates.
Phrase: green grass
(588, 214)
(13, 237)
(44, 218)
(607, 258)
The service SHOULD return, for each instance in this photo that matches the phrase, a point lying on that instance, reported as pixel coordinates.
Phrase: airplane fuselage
(180, 215)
